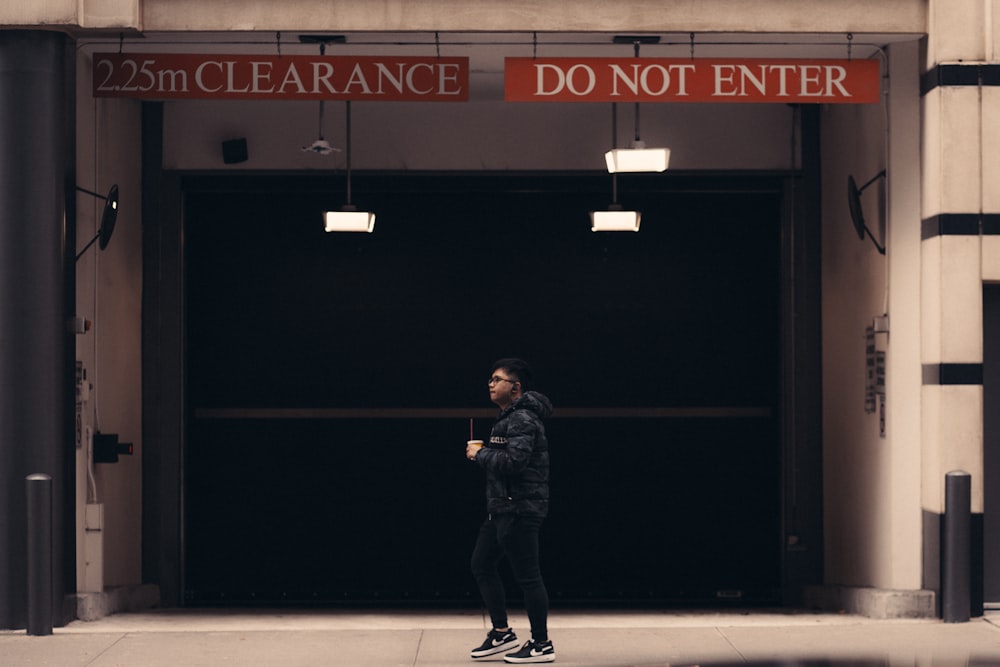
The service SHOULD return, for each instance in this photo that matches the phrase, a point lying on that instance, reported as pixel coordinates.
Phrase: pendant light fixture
(321, 146)
(637, 158)
(349, 218)
(615, 218)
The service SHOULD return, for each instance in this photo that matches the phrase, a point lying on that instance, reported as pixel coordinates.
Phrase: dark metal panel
(162, 325)
(802, 441)
(991, 442)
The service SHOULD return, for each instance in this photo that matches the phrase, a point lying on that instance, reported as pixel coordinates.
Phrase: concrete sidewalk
(408, 638)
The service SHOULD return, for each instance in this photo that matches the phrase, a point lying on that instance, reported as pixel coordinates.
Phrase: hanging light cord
(347, 141)
(614, 144)
(636, 45)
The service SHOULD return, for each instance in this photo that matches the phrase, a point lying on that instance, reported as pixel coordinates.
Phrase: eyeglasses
(496, 378)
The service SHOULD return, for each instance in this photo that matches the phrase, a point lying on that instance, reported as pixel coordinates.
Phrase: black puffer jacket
(516, 459)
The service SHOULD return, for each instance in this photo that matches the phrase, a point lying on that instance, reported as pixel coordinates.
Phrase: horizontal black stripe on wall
(952, 374)
(960, 75)
(960, 224)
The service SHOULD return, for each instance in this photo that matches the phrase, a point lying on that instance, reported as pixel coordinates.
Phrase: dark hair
(519, 369)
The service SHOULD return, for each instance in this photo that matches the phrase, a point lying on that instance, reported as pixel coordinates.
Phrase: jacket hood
(535, 402)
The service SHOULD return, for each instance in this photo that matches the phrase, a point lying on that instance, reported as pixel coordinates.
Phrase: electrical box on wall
(93, 518)
(107, 448)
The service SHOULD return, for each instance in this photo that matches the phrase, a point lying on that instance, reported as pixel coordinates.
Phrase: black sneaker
(496, 642)
(532, 651)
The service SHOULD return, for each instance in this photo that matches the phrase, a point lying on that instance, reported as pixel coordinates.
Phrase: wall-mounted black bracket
(107, 448)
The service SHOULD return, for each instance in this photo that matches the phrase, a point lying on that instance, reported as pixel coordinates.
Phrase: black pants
(517, 538)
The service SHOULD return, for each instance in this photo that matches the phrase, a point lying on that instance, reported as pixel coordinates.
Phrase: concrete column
(959, 96)
(36, 348)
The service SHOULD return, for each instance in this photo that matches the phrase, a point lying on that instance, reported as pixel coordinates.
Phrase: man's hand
(471, 449)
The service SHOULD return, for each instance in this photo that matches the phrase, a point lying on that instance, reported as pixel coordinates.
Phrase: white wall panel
(961, 300)
(952, 419)
(958, 30)
(951, 295)
(960, 147)
(991, 149)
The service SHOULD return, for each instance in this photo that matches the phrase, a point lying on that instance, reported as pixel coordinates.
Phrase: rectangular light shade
(615, 221)
(349, 221)
(637, 159)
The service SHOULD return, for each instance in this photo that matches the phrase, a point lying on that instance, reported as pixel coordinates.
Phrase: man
(516, 461)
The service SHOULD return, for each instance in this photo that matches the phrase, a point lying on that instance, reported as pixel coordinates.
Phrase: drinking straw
(470, 428)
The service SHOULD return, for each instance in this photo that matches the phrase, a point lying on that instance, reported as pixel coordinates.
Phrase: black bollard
(39, 554)
(956, 561)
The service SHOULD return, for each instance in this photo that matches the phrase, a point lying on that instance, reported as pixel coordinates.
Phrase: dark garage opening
(331, 377)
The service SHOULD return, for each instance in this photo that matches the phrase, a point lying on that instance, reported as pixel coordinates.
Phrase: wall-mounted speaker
(234, 151)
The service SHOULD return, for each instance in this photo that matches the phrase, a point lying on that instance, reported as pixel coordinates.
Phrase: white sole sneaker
(486, 651)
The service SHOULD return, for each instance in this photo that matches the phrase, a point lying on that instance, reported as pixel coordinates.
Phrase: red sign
(690, 80)
(162, 76)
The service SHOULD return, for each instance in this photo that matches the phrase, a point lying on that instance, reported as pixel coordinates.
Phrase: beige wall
(477, 135)
(109, 294)
(803, 16)
(708, 15)
(871, 483)
(900, 565)
(72, 14)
